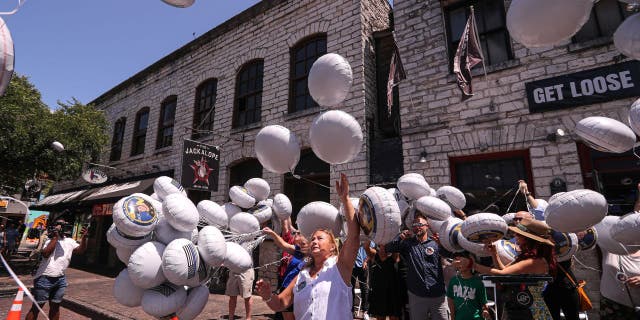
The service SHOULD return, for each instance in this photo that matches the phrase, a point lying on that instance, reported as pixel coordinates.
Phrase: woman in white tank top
(322, 290)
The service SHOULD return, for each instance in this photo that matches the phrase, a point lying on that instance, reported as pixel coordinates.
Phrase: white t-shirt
(58, 261)
(613, 289)
(325, 297)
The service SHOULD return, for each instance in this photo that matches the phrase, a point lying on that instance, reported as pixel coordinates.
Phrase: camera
(65, 230)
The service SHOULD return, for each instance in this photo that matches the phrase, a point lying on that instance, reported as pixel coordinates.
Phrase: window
(303, 55)
(486, 178)
(118, 138)
(140, 132)
(248, 94)
(204, 112)
(606, 16)
(165, 125)
(240, 172)
(492, 29)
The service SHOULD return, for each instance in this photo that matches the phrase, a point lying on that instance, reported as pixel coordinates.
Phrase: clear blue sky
(82, 48)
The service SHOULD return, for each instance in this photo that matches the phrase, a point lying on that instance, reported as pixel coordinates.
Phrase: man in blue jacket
(425, 280)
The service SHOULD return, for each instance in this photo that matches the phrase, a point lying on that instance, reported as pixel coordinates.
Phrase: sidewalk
(91, 295)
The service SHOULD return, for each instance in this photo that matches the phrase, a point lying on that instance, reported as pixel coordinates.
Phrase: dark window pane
(492, 15)
(144, 121)
(306, 52)
(495, 43)
(458, 20)
(605, 18)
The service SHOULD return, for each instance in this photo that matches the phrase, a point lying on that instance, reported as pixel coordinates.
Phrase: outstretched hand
(268, 231)
(342, 187)
(263, 289)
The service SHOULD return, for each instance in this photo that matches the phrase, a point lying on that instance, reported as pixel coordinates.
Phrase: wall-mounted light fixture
(553, 136)
(423, 157)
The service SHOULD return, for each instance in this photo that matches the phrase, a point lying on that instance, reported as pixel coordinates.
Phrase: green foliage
(28, 128)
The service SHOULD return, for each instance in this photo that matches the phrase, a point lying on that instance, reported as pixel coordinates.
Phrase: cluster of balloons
(335, 136)
(544, 23)
(169, 259)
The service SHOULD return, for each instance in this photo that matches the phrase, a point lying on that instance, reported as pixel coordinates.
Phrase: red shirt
(286, 257)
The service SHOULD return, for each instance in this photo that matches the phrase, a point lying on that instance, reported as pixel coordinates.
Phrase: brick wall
(497, 118)
(268, 31)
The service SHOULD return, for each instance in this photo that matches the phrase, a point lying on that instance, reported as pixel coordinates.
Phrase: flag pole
(475, 34)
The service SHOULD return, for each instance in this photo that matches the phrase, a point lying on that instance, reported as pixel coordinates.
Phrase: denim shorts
(49, 288)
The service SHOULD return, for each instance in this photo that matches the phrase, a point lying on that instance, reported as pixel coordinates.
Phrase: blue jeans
(49, 289)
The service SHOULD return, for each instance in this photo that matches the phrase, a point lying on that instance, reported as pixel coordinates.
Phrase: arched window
(118, 138)
(140, 132)
(165, 124)
(248, 102)
(204, 109)
(242, 171)
(303, 55)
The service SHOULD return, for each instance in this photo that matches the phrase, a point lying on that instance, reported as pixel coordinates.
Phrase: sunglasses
(517, 219)
(418, 225)
(295, 233)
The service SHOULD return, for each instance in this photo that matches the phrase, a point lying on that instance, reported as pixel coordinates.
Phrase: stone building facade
(266, 32)
(497, 122)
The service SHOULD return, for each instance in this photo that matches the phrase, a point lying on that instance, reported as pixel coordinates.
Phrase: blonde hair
(332, 237)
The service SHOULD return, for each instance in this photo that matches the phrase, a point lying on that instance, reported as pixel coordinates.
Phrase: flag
(396, 74)
(468, 55)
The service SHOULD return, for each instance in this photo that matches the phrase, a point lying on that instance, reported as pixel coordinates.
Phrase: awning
(103, 194)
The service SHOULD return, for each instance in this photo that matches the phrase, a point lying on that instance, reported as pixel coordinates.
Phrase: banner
(599, 85)
(200, 166)
(102, 209)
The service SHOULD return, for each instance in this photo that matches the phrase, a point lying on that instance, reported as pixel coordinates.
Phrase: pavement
(89, 297)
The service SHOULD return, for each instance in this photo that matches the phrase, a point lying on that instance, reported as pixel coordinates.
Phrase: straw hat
(533, 229)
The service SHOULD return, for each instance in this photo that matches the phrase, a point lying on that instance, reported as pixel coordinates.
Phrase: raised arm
(528, 266)
(522, 185)
(347, 256)
(289, 248)
(83, 242)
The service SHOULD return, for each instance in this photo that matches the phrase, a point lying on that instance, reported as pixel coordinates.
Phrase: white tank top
(325, 297)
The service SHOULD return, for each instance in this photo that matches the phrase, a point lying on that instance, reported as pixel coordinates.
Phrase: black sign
(604, 84)
(200, 166)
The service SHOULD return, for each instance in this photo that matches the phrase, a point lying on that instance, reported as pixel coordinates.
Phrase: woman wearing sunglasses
(322, 290)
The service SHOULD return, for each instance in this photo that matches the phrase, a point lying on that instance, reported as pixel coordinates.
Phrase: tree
(28, 128)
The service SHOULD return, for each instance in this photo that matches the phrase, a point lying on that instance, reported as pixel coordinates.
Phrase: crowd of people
(414, 277)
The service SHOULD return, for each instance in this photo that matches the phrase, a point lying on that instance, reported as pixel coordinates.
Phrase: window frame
(594, 15)
(139, 133)
(256, 93)
(452, 44)
(117, 140)
(201, 110)
(163, 126)
(293, 80)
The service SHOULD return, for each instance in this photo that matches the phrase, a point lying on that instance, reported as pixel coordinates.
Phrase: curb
(92, 311)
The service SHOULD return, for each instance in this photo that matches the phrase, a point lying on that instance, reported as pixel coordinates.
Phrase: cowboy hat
(533, 229)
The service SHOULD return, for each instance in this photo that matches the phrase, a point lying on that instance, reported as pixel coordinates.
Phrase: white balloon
(634, 117)
(355, 203)
(576, 210)
(409, 216)
(196, 301)
(165, 233)
(484, 226)
(119, 240)
(164, 186)
(452, 196)
(135, 215)
(213, 214)
(507, 251)
(379, 215)
(124, 254)
(448, 232)
(627, 39)
(543, 23)
(180, 212)
(7, 61)
(554, 197)
(277, 149)
(57, 146)
(606, 134)
(241, 197)
(435, 225)
(566, 245)
(244, 223)
(163, 300)
(330, 80)
(145, 265)
(508, 217)
(282, 206)
(266, 202)
(433, 208)
(413, 186)
(125, 292)
(181, 264)
(231, 210)
(211, 245)
(627, 229)
(258, 188)
(475, 248)
(262, 212)
(335, 137)
(179, 4)
(316, 215)
(605, 240)
(237, 259)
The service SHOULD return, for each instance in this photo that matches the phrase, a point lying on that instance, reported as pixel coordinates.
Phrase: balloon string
(585, 266)
(299, 177)
(504, 195)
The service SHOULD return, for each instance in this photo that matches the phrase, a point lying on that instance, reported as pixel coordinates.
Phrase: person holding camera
(49, 280)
